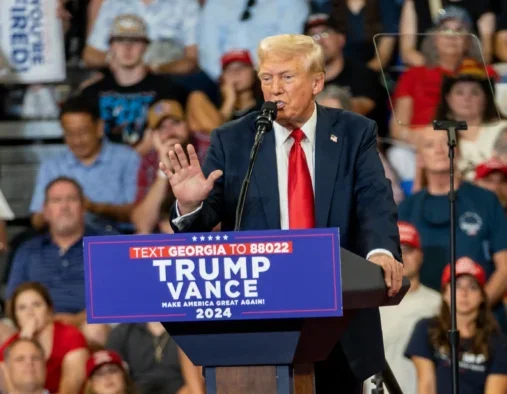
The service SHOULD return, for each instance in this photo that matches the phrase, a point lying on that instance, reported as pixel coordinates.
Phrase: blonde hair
(292, 45)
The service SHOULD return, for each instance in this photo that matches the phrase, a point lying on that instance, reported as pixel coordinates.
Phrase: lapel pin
(334, 138)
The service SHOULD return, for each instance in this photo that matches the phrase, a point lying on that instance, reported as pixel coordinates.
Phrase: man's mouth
(280, 104)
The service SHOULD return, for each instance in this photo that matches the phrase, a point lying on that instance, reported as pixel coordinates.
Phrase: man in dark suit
(319, 167)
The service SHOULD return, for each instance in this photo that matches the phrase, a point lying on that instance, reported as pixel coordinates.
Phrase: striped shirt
(62, 272)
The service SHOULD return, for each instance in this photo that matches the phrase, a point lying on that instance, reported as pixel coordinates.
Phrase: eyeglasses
(446, 30)
(247, 14)
(320, 36)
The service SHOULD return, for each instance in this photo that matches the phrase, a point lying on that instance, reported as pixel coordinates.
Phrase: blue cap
(453, 12)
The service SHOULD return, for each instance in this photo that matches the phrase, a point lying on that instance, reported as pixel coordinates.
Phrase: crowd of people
(167, 72)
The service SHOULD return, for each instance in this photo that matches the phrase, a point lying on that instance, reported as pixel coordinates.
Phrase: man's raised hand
(188, 183)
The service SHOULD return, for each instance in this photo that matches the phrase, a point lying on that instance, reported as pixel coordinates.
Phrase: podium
(277, 356)
(255, 349)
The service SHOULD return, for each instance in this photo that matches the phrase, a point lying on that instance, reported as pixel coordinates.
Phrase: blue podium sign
(213, 276)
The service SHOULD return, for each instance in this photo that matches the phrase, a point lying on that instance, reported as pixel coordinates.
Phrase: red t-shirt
(423, 85)
(65, 339)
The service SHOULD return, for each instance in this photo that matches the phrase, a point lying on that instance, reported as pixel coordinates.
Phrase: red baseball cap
(241, 55)
(102, 357)
(492, 165)
(409, 235)
(465, 266)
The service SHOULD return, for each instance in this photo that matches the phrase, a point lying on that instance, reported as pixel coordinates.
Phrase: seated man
(55, 259)
(481, 226)
(127, 89)
(106, 171)
(492, 175)
(168, 127)
(25, 367)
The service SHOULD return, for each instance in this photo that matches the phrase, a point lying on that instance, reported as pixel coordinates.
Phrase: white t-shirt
(473, 153)
(397, 325)
(166, 20)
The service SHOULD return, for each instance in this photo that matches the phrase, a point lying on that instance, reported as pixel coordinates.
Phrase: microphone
(264, 121)
(263, 124)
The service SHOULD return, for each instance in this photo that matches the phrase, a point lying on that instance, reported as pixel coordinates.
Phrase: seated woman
(31, 310)
(417, 92)
(468, 96)
(483, 349)
(107, 373)
(417, 16)
(240, 94)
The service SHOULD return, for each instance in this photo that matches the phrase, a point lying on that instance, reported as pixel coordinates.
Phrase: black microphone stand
(246, 182)
(264, 124)
(452, 127)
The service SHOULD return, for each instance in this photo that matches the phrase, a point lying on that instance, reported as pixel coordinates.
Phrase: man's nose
(276, 88)
(441, 147)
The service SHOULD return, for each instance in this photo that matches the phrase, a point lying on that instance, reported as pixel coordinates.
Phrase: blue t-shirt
(481, 228)
(473, 368)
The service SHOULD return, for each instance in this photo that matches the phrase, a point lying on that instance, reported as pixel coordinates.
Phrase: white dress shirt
(283, 142)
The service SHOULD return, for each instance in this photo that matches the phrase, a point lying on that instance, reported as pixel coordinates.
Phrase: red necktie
(300, 190)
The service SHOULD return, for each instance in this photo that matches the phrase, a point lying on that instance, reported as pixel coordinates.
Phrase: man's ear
(45, 212)
(100, 128)
(318, 83)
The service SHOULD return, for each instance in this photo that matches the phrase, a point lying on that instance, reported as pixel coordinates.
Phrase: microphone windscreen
(271, 107)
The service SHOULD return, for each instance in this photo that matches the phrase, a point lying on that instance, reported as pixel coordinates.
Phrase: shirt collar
(88, 232)
(309, 128)
(105, 148)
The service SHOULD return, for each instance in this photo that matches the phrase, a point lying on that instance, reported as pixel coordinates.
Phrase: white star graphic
(225, 237)
(217, 237)
(203, 237)
(194, 238)
(210, 238)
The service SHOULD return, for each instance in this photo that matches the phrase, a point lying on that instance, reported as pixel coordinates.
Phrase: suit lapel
(328, 148)
(266, 179)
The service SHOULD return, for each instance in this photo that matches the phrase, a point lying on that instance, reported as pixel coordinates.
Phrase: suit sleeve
(211, 211)
(376, 210)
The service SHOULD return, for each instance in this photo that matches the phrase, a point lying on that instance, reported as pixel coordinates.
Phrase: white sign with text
(31, 42)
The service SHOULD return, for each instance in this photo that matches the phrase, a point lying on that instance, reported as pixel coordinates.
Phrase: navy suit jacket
(351, 193)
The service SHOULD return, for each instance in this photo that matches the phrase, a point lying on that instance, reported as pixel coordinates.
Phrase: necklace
(160, 343)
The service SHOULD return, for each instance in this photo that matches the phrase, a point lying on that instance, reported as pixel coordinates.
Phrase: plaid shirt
(149, 165)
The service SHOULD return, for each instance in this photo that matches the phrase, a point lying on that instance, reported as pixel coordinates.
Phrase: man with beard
(127, 88)
(168, 126)
(55, 258)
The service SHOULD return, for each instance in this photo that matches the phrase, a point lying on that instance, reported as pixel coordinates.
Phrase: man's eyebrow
(277, 73)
